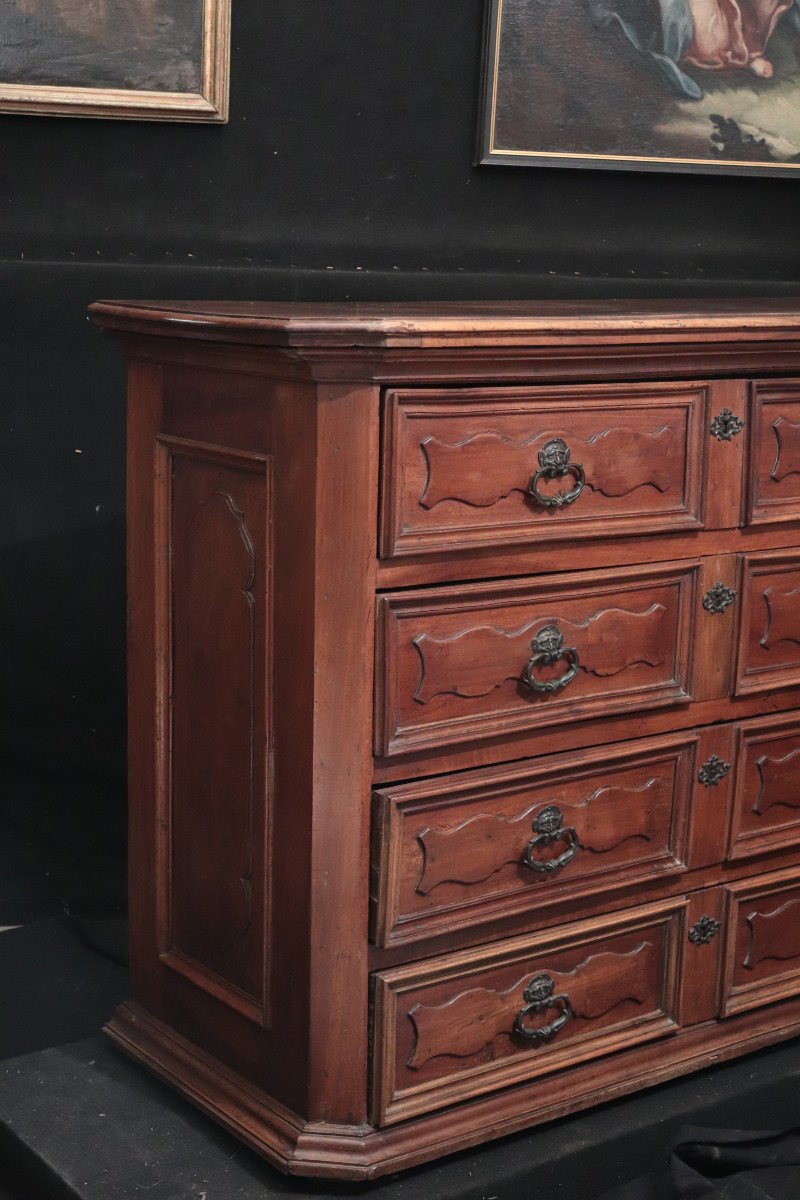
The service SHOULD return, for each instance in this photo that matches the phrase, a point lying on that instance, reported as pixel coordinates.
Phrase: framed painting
(655, 85)
(164, 60)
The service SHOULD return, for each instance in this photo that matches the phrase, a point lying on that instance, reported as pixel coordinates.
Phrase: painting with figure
(705, 85)
(90, 47)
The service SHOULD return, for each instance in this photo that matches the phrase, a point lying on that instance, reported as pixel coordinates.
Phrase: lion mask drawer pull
(549, 826)
(538, 997)
(554, 463)
(548, 647)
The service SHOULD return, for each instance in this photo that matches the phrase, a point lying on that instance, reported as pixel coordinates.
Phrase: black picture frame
(513, 95)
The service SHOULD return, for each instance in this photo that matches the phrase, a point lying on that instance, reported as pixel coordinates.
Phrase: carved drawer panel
(459, 465)
(766, 813)
(454, 1027)
(769, 630)
(774, 453)
(465, 848)
(476, 661)
(762, 947)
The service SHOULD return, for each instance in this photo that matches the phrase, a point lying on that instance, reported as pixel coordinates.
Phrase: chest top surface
(415, 324)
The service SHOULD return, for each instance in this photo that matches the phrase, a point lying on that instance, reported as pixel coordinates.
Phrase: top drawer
(499, 466)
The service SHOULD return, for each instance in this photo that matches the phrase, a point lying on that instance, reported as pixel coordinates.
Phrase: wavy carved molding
(474, 850)
(463, 1025)
(476, 661)
(487, 468)
(783, 617)
(773, 935)
(778, 782)
(787, 449)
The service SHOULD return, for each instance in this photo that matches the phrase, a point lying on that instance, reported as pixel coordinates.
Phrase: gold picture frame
(611, 84)
(202, 76)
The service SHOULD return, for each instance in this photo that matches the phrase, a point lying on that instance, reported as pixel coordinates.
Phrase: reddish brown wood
(451, 850)
(214, 865)
(546, 559)
(775, 467)
(769, 641)
(451, 661)
(727, 456)
(273, 600)
(767, 796)
(226, 422)
(711, 796)
(703, 949)
(597, 731)
(762, 943)
(458, 465)
(464, 324)
(444, 1029)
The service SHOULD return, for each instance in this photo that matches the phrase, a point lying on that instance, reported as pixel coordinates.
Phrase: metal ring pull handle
(549, 825)
(554, 463)
(548, 647)
(538, 997)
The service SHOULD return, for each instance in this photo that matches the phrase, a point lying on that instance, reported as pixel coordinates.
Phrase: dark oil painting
(143, 45)
(706, 85)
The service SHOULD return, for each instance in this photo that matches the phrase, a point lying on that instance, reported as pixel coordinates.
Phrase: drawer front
(762, 948)
(452, 662)
(769, 637)
(774, 453)
(464, 1024)
(466, 848)
(458, 465)
(766, 814)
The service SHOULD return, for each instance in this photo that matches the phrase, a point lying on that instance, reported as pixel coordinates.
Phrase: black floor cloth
(81, 1122)
(720, 1164)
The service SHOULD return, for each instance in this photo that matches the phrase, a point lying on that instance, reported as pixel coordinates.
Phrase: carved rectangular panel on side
(451, 661)
(215, 637)
(774, 453)
(769, 622)
(457, 464)
(454, 1027)
(452, 851)
(766, 813)
(762, 941)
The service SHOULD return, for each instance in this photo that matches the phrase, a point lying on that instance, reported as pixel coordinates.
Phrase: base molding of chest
(360, 1152)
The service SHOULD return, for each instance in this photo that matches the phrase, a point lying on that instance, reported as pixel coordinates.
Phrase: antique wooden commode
(464, 710)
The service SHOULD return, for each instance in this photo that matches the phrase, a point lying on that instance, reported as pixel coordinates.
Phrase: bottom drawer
(762, 947)
(454, 1027)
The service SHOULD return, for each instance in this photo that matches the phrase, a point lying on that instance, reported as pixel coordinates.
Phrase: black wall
(346, 170)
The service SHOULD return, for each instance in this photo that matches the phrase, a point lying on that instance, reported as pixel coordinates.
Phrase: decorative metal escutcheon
(713, 771)
(726, 426)
(718, 598)
(538, 997)
(704, 931)
(549, 826)
(554, 463)
(548, 647)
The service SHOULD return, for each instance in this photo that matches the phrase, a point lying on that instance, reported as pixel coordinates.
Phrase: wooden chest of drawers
(464, 711)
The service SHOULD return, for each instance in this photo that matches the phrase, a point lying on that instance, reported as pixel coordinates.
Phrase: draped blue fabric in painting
(662, 32)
